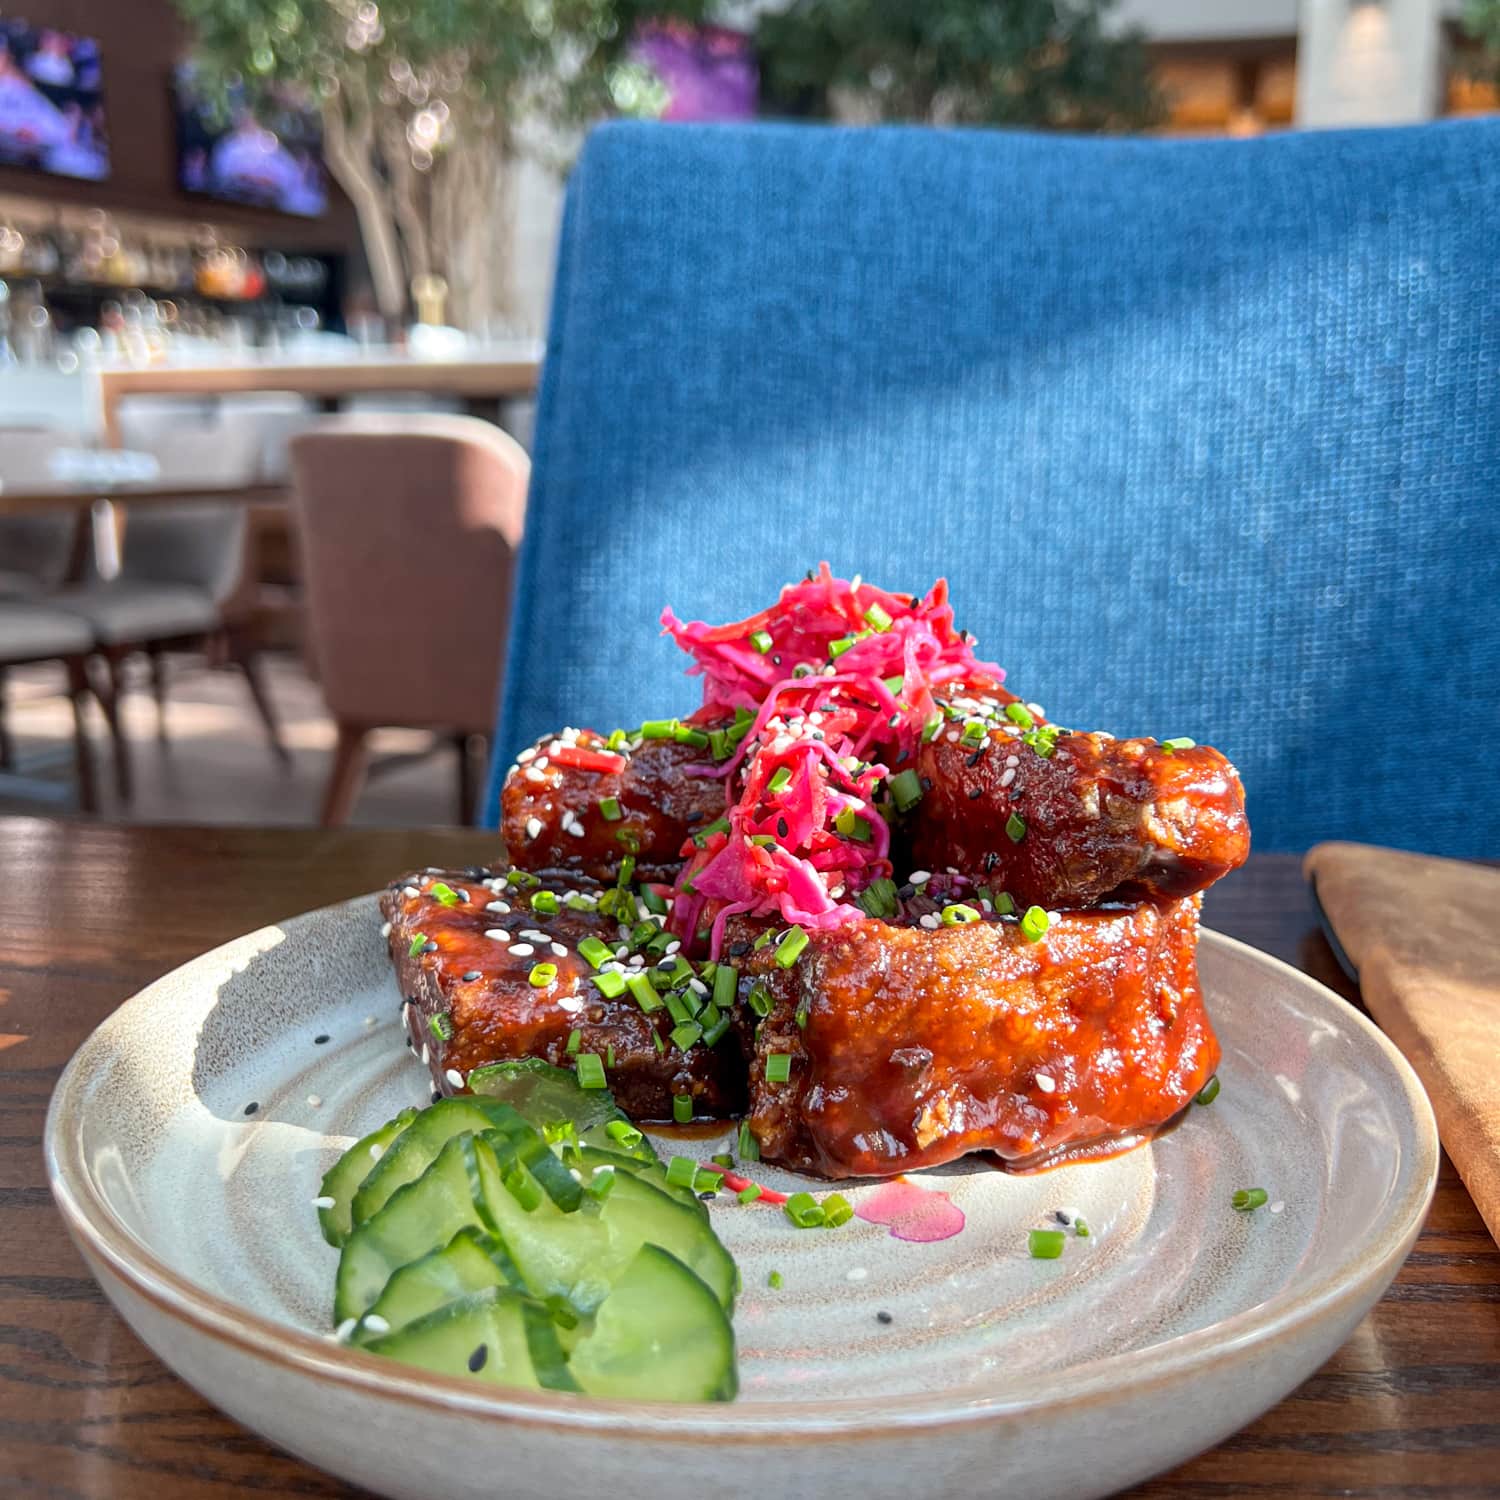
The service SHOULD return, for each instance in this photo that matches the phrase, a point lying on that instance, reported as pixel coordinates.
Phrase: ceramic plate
(188, 1137)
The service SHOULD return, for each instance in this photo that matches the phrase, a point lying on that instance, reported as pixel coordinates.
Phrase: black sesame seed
(782, 830)
(707, 1197)
(435, 1094)
(475, 872)
(991, 859)
(977, 756)
(906, 892)
(927, 783)
(976, 793)
(1061, 1217)
(478, 1357)
(430, 946)
(775, 660)
(471, 975)
(884, 1317)
(251, 1108)
(319, 1040)
(738, 950)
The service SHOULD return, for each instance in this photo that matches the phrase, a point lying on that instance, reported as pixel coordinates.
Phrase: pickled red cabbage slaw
(839, 676)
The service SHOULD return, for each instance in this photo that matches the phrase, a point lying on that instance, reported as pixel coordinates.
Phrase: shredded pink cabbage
(841, 694)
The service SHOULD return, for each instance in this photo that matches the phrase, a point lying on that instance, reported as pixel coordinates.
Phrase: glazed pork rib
(467, 945)
(1058, 818)
(917, 1045)
(570, 803)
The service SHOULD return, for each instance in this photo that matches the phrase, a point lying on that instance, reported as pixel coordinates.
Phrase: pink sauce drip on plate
(913, 1213)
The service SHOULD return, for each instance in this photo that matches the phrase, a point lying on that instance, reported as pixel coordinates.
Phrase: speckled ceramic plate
(880, 1368)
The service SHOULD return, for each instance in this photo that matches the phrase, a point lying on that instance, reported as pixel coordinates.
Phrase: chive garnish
(778, 1067)
(751, 1193)
(1247, 1200)
(644, 991)
(774, 1281)
(878, 899)
(759, 1000)
(1080, 1229)
(611, 984)
(542, 975)
(682, 1108)
(1209, 1092)
(418, 942)
(623, 1132)
(590, 1069)
(837, 1210)
(574, 1038)
(440, 1026)
(609, 809)
(1045, 1244)
(906, 790)
(718, 744)
(780, 780)
(790, 947)
(1015, 828)
(837, 648)
(1035, 923)
(803, 1210)
(681, 1170)
(852, 826)
(1180, 743)
(958, 914)
(1005, 904)
(522, 879)
(702, 836)
(658, 729)
(443, 893)
(686, 1035)
(761, 641)
(747, 1146)
(544, 902)
(1017, 714)
(595, 951)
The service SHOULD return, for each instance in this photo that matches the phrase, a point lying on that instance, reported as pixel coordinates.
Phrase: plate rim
(98, 1231)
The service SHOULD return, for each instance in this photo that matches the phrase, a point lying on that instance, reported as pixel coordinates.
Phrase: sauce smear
(920, 1215)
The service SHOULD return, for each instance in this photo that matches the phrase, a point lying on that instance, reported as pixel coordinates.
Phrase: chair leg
(158, 662)
(83, 752)
(346, 777)
(468, 785)
(110, 697)
(246, 658)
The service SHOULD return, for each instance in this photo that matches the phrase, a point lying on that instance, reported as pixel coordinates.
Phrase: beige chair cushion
(37, 632)
(126, 612)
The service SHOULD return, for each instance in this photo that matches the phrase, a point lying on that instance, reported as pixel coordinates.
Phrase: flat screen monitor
(51, 102)
(267, 155)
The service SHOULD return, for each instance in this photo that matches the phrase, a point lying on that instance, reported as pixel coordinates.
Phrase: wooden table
(76, 498)
(1409, 1407)
(490, 376)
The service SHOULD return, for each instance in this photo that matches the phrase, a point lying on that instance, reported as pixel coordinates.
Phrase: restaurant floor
(216, 766)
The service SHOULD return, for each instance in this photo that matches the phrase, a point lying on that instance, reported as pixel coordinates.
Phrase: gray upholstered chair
(34, 550)
(409, 529)
(33, 632)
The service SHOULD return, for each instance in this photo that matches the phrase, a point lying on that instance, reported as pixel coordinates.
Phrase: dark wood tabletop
(1410, 1406)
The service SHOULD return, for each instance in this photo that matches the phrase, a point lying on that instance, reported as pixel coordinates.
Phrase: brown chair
(409, 529)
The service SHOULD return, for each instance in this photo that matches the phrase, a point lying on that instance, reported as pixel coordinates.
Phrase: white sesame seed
(1275, 1207)
(623, 951)
(376, 1149)
(673, 947)
(534, 935)
(952, 736)
(521, 950)
(454, 1077)
(325, 1202)
(1045, 1083)
(1037, 710)
(525, 756)
(533, 774)
(385, 929)
(410, 891)
(503, 907)
(919, 877)
(342, 1332)
(374, 1323)
(558, 950)
(1008, 776)
(425, 1060)
(497, 934)
(369, 1020)
(697, 986)
(929, 921)
(1012, 760)
(533, 828)
(315, 1100)
(635, 961)
(856, 1273)
(570, 1003)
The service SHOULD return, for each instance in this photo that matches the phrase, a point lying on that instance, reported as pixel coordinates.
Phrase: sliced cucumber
(660, 1334)
(470, 1262)
(579, 1255)
(350, 1170)
(418, 1146)
(546, 1097)
(420, 1217)
(499, 1335)
(654, 1172)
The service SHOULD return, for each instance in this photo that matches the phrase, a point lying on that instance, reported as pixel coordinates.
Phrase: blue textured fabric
(1202, 433)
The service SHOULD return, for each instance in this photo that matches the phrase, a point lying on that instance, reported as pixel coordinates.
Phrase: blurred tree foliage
(1053, 64)
(1481, 22)
(426, 104)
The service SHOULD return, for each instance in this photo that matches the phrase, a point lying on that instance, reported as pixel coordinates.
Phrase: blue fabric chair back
(1203, 433)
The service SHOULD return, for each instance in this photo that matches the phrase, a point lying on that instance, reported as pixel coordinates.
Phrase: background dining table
(1410, 1406)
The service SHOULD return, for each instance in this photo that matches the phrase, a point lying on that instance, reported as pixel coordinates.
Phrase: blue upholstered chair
(1205, 435)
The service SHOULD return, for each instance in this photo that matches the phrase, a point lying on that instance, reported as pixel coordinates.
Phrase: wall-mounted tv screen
(268, 155)
(709, 71)
(51, 102)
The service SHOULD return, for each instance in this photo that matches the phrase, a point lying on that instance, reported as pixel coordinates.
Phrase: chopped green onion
(602, 1183)
(790, 947)
(590, 1071)
(1181, 743)
(658, 729)
(440, 1026)
(747, 1146)
(763, 840)
(723, 1159)
(1080, 1229)
(708, 1182)
(906, 790)
(1015, 828)
(574, 1038)
(653, 900)
(629, 839)
(852, 826)
(974, 733)
(1209, 1092)
(644, 991)
(958, 914)
(579, 902)
(661, 1046)
(878, 899)
(609, 809)
(759, 1000)
(611, 984)
(1045, 1244)
(803, 1210)
(780, 780)
(801, 1018)
(681, 1169)
(544, 902)
(778, 1067)
(877, 619)
(678, 1008)
(718, 744)
(837, 1210)
(627, 865)
(617, 740)
(418, 942)
(685, 734)
(443, 893)
(1035, 923)
(761, 641)
(1005, 904)
(894, 684)
(522, 879)
(1017, 714)
(523, 1187)
(774, 1281)
(751, 1193)
(682, 1108)
(726, 980)
(1247, 1200)
(595, 952)
(559, 1130)
(609, 1056)
(623, 1132)
(542, 975)
(837, 648)
(686, 1035)
(1043, 741)
(702, 836)
(930, 729)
